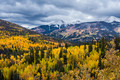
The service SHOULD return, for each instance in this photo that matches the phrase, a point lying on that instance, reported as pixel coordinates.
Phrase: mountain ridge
(83, 31)
(110, 19)
(10, 28)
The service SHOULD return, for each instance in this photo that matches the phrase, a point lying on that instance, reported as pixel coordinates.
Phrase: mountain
(12, 29)
(56, 25)
(8, 28)
(110, 19)
(86, 31)
(46, 29)
(27, 57)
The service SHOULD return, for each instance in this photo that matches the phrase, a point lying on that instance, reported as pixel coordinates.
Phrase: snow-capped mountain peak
(60, 23)
(76, 22)
(110, 19)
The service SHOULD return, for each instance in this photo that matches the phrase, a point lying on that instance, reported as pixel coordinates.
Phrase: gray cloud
(36, 12)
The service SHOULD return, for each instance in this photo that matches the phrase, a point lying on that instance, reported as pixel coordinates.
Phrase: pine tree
(90, 48)
(60, 55)
(117, 43)
(42, 54)
(100, 64)
(1, 76)
(103, 44)
(65, 59)
(85, 46)
(59, 44)
(97, 46)
(66, 45)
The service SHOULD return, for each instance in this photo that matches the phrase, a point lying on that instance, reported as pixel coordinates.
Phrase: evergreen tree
(97, 46)
(117, 43)
(1, 76)
(90, 48)
(65, 59)
(85, 46)
(100, 64)
(59, 44)
(14, 76)
(59, 66)
(66, 45)
(103, 44)
(42, 54)
(60, 55)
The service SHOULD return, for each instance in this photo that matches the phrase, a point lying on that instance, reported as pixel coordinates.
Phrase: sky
(32, 13)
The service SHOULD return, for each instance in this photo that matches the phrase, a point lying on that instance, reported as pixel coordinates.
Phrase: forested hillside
(36, 57)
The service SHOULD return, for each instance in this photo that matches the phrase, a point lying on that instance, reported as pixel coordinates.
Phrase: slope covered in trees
(35, 57)
(23, 59)
(8, 28)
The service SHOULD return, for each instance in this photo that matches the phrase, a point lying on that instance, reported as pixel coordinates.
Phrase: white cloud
(37, 12)
(2, 14)
(72, 16)
(28, 26)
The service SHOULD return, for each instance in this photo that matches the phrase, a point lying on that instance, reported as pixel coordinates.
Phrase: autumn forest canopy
(27, 55)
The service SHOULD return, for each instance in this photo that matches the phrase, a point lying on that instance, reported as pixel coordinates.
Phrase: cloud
(38, 12)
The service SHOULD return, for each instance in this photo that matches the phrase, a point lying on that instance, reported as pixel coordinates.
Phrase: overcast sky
(31, 13)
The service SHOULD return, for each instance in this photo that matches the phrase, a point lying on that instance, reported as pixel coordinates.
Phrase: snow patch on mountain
(61, 22)
(110, 19)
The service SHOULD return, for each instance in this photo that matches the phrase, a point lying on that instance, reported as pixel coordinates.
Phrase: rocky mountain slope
(88, 31)
(81, 32)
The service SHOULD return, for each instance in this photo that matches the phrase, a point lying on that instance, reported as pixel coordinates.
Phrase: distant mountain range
(86, 31)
